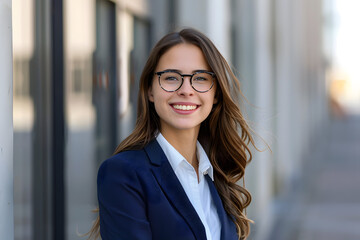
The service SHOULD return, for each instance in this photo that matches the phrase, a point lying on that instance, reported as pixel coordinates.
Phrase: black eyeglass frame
(186, 75)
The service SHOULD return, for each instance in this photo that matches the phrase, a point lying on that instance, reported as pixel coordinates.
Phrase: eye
(199, 79)
(171, 78)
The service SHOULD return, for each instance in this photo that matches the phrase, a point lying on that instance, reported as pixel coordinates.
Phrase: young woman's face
(185, 108)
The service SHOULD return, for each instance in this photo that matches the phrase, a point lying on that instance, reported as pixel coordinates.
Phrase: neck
(185, 143)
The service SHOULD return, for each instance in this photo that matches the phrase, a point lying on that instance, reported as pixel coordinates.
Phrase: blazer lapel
(172, 188)
(228, 229)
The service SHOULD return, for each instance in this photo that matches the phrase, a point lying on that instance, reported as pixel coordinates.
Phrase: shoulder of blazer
(124, 163)
(135, 160)
(130, 158)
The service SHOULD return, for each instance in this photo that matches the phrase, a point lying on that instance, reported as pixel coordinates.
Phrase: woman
(175, 176)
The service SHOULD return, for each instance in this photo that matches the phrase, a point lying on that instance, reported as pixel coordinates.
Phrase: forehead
(184, 57)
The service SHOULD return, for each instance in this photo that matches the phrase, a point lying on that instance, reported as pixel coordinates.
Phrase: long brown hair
(225, 135)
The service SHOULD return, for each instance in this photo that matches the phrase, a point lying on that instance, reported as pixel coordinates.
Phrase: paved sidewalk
(326, 204)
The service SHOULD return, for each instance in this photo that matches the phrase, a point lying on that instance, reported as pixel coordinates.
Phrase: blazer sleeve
(122, 206)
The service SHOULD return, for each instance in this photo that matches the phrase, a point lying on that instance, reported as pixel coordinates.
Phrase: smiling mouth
(184, 107)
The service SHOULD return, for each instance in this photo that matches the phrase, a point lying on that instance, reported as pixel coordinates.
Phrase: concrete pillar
(284, 99)
(192, 14)
(6, 124)
(263, 116)
(218, 25)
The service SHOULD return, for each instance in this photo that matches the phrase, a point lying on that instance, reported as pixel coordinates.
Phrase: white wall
(6, 125)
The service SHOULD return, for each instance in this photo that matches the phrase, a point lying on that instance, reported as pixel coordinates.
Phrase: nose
(186, 88)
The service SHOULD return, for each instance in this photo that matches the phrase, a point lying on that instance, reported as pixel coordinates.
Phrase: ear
(150, 94)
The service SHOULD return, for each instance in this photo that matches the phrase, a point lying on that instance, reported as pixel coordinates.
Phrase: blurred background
(76, 70)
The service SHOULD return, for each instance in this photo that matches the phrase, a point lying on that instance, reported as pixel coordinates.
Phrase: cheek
(212, 100)
(160, 100)
(213, 97)
(209, 109)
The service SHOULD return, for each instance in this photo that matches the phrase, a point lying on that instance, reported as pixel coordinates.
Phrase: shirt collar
(175, 158)
(205, 166)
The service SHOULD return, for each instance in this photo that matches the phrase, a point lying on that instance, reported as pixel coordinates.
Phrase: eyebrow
(177, 70)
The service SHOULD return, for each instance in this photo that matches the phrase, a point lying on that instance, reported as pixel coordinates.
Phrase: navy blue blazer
(141, 198)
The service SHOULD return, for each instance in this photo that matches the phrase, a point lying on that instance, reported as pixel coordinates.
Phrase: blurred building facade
(76, 70)
(6, 124)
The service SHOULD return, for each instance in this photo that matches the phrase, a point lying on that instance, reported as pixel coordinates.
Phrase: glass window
(105, 50)
(81, 117)
(23, 117)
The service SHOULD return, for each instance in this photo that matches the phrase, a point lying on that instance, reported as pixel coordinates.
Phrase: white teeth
(185, 107)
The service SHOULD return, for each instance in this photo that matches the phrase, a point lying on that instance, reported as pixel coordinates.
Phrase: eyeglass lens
(171, 81)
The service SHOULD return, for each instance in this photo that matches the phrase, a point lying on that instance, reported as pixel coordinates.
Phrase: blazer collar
(172, 188)
(175, 158)
(175, 193)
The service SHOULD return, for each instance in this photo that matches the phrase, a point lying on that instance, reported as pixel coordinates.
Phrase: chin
(186, 126)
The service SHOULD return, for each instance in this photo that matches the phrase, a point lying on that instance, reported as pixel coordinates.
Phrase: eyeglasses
(171, 81)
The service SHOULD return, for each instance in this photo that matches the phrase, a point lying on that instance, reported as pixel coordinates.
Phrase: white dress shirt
(197, 192)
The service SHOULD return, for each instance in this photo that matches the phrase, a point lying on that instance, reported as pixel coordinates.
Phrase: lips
(184, 107)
